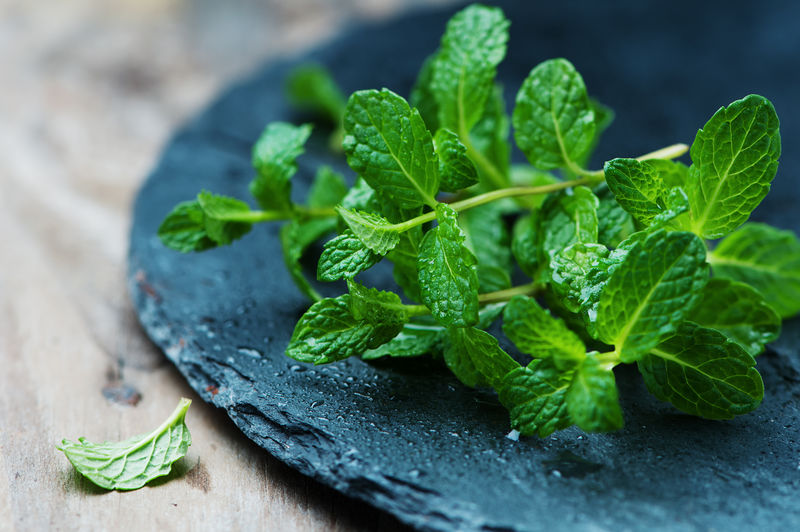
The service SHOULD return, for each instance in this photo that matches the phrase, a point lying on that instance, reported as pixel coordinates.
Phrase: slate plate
(407, 437)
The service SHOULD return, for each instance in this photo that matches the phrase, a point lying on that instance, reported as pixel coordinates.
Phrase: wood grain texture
(90, 92)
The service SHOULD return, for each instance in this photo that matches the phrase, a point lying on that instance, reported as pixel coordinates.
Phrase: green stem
(272, 216)
(483, 299)
(608, 360)
(589, 178)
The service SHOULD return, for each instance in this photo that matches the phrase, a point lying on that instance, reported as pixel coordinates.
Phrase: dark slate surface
(410, 439)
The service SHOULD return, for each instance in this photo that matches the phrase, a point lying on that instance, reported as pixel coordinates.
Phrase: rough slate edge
(766, 494)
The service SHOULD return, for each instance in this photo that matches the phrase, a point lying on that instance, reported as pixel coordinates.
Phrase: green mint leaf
(488, 239)
(274, 157)
(383, 310)
(578, 275)
(312, 87)
(734, 159)
(766, 258)
(592, 398)
(554, 123)
(422, 96)
(739, 312)
(344, 257)
(415, 339)
(375, 231)
(388, 144)
(295, 238)
(328, 188)
(475, 357)
(490, 135)
(184, 229)
(473, 44)
(614, 224)
(535, 332)
(448, 275)
(226, 219)
(361, 197)
(637, 188)
(703, 373)
(130, 464)
(535, 397)
(568, 219)
(456, 170)
(328, 332)
(526, 243)
(651, 292)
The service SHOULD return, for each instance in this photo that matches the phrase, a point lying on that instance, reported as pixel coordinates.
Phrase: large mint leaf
(592, 398)
(739, 312)
(448, 275)
(389, 146)
(535, 332)
(554, 123)
(463, 74)
(535, 397)
(344, 257)
(651, 292)
(766, 258)
(274, 157)
(703, 373)
(328, 332)
(475, 357)
(130, 464)
(734, 159)
(375, 231)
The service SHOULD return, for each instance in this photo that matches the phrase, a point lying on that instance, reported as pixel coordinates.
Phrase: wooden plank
(91, 90)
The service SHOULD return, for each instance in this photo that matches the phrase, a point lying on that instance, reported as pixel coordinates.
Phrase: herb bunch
(618, 261)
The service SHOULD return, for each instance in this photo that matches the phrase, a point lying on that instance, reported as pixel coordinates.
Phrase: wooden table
(89, 93)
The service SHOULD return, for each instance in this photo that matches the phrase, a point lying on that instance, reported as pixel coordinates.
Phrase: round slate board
(407, 437)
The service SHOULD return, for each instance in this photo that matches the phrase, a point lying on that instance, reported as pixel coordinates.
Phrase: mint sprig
(618, 259)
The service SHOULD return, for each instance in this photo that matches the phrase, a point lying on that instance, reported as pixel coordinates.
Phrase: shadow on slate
(414, 442)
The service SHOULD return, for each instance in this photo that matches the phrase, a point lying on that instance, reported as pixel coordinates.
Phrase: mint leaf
(739, 312)
(703, 373)
(475, 357)
(766, 258)
(226, 219)
(637, 188)
(448, 276)
(671, 173)
(487, 238)
(361, 197)
(184, 229)
(456, 170)
(651, 292)
(130, 464)
(568, 219)
(614, 224)
(473, 45)
(526, 244)
(328, 332)
(328, 188)
(535, 397)
(422, 96)
(375, 231)
(592, 398)
(344, 257)
(388, 145)
(383, 310)
(311, 87)
(734, 159)
(535, 332)
(554, 123)
(489, 135)
(274, 157)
